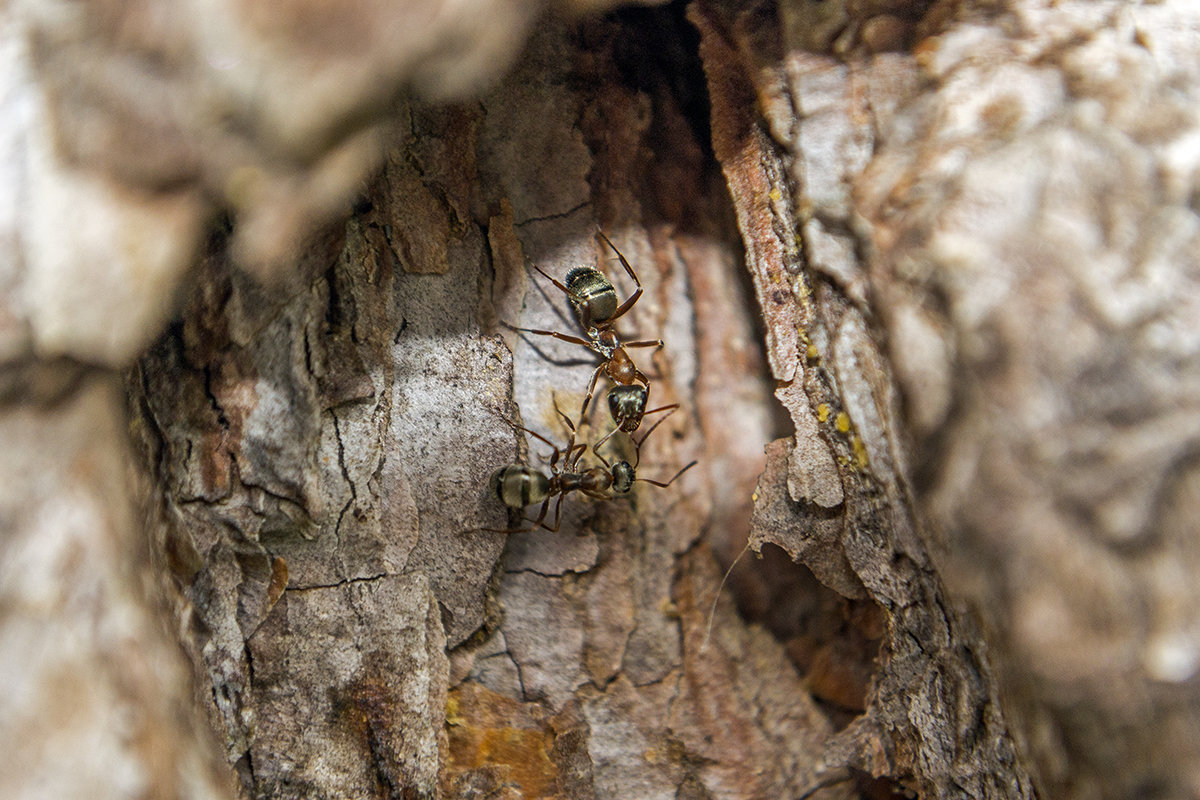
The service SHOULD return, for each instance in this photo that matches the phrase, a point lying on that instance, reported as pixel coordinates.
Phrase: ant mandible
(594, 302)
(518, 485)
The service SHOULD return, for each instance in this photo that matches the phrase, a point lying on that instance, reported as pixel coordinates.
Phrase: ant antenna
(542, 354)
(638, 444)
(673, 477)
(567, 420)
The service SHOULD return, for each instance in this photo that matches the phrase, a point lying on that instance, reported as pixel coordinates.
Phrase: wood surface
(926, 280)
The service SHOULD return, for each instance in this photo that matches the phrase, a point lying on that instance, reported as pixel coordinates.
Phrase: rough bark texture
(1035, 233)
(96, 700)
(969, 280)
(836, 496)
(328, 462)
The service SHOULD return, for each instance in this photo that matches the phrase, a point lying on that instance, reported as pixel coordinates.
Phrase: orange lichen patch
(486, 730)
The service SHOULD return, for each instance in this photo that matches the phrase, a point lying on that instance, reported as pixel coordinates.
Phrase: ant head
(623, 477)
(627, 405)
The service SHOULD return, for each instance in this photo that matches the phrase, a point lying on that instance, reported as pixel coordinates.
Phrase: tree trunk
(972, 574)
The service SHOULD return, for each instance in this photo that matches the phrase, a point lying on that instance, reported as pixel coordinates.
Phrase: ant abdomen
(597, 299)
(519, 485)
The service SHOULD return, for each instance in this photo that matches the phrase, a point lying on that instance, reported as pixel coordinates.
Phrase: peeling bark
(840, 502)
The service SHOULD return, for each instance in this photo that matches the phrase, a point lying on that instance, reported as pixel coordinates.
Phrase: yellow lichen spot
(812, 352)
(669, 609)
(453, 715)
(775, 194)
(842, 422)
(754, 497)
(860, 452)
(654, 756)
(823, 412)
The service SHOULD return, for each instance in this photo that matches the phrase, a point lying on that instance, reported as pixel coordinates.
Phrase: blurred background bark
(926, 278)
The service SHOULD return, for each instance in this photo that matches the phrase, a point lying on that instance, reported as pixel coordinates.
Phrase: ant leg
(645, 343)
(546, 505)
(571, 438)
(557, 410)
(668, 483)
(540, 517)
(572, 462)
(564, 289)
(557, 513)
(557, 335)
(633, 298)
(602, 440)
(534, 434)
(660, 421)
(596, 449)
(591, 389)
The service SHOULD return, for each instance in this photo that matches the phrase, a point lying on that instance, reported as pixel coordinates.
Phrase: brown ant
(594, 301)
(518, 485)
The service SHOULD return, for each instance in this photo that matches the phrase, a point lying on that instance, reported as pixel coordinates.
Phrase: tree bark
(973, 519)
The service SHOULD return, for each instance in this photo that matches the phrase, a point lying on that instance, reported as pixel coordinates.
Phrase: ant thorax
(605, 341)
(620, 367)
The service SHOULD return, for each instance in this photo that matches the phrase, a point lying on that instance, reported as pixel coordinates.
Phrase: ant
(627, 407)
(518, 485)
(594, 302)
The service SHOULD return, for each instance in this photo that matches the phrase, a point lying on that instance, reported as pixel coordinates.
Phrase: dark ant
(519, 485)
(627, 406)
(594, 301)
